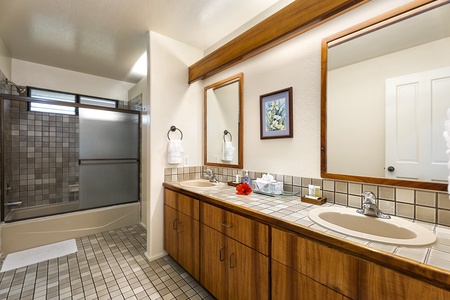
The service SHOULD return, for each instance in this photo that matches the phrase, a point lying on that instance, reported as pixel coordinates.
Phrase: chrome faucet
(210, 176)
(370, 206)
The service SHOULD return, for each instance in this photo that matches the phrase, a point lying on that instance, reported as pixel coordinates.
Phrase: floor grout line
(109, 265)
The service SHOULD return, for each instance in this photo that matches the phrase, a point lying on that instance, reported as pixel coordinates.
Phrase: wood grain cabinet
(234, 259)
(377, 282)
(182, 231)
(315, 269)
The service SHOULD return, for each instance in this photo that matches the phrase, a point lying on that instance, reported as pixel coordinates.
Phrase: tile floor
(109, 265)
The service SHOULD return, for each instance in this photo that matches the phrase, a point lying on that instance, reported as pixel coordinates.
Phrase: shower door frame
(4, 97)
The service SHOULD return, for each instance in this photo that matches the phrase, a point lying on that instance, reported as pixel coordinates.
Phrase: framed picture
(276, 114)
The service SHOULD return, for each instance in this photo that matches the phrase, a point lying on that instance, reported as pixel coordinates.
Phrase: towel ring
(225, 133)
(173, 129)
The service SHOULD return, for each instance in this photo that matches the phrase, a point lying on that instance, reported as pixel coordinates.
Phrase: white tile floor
(110, 265)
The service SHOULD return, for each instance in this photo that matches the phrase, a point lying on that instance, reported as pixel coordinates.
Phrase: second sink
(391, 231)
(200, 183)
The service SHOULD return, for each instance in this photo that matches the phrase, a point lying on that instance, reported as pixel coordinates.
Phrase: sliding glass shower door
(109, 158)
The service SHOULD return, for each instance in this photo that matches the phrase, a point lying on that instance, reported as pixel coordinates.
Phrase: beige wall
(37, 75)
(5, 60)
(295, 63)
(172, 102)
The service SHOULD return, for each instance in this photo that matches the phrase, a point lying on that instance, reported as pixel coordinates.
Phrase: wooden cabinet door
(290, 284)
(213, 262)
(188, 206)
(170, 198)
(331, 267)
(170, 231)
(189, 244)
(247, 273)
(377, 282)
(247, 231)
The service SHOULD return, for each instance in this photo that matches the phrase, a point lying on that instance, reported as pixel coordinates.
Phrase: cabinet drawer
(335, 269)
(290, 284)
(184, 204)
(377, 282)
(247, 231)
(188, 206)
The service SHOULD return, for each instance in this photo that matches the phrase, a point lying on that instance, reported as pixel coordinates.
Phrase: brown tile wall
(42, 154)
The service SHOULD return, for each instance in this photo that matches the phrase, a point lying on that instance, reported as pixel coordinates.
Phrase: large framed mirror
(385, 95)
(223, 123)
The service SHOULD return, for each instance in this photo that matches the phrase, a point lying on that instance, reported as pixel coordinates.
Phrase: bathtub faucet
(17, 203)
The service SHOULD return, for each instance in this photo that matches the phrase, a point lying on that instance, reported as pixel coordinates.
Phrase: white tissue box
(275, 188)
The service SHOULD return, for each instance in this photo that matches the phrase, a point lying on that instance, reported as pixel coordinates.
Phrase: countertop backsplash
(422, 205)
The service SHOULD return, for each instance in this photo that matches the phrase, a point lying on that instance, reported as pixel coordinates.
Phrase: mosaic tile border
(421, 205)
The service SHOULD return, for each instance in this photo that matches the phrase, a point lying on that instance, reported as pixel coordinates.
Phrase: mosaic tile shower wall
(41, 155)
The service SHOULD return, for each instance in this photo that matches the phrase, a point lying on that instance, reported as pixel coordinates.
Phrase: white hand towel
(174, 152)
(227, 151)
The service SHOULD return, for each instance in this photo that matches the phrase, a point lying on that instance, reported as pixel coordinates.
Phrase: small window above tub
(65, 97)
(98, 101)
(51, 95)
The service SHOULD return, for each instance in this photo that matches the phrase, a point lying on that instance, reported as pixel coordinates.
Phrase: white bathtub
(27, 234)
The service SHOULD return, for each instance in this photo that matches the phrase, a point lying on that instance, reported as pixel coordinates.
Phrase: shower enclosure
(53, 163)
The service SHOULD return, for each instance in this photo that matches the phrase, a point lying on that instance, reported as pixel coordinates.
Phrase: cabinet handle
(179, 228)
(221, 253)
(226, 225)
(175, 224)
(232, 264)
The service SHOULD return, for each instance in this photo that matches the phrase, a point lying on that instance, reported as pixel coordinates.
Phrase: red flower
(243, 189)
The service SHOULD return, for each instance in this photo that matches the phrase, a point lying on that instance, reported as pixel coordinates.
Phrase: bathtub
(21, 235)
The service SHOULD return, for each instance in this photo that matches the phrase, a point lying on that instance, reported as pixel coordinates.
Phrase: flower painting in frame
(276, 114)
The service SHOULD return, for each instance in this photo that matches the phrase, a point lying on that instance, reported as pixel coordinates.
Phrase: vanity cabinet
(182, 231)
(307, 269)
(288, 283)
(304, 269)
(377, 282)
(234, 255)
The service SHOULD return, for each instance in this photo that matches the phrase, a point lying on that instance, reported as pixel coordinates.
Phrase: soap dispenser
(246, 178)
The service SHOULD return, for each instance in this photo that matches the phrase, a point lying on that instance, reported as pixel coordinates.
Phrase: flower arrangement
(243, 189)
(276, 115)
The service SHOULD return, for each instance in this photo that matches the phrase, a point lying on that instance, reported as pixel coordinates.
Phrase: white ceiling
(107, 37)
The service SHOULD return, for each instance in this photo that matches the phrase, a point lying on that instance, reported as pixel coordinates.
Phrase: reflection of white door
(416, 108)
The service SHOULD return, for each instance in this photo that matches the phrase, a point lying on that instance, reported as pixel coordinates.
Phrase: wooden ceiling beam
(290, 21)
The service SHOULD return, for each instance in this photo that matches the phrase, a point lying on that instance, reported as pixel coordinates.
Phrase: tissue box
(275, 188)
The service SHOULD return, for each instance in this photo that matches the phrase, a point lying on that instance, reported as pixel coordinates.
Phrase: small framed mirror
(223, 123)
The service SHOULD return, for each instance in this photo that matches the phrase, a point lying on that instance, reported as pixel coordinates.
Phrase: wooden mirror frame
(240, 147)
(406, 11)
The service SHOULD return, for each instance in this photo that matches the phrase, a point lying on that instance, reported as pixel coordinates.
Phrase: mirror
(385, 87)
(223, 123)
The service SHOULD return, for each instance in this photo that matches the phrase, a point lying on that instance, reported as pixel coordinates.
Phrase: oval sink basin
(200, 183)
(391, 231)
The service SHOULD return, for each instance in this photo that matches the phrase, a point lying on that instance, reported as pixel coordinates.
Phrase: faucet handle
(369, 197)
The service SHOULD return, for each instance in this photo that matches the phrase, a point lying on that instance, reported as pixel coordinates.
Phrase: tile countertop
(292, 210)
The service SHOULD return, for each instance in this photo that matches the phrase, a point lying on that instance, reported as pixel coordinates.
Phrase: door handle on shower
(8, 188)
(17, 203)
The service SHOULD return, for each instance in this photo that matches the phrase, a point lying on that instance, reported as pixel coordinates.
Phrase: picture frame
(276, 114)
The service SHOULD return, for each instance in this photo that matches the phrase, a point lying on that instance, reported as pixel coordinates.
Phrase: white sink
(201, 184)
(391, 231)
